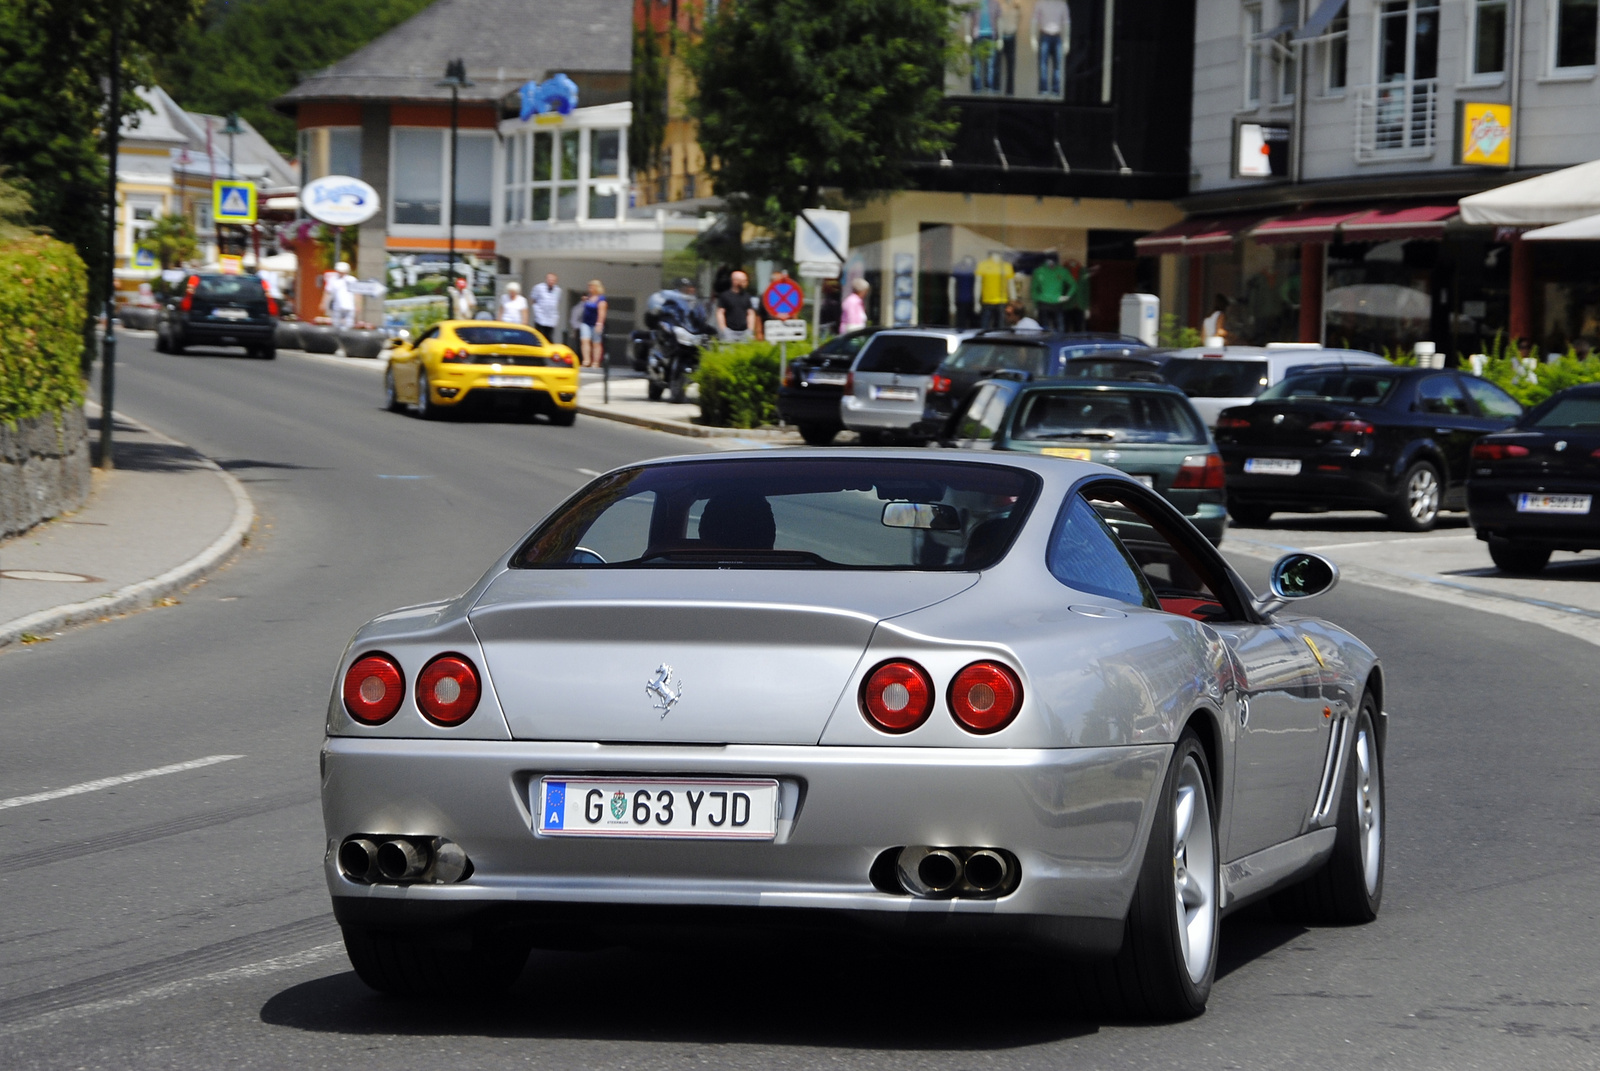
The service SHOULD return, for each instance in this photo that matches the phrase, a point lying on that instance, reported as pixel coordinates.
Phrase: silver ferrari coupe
(923, 696)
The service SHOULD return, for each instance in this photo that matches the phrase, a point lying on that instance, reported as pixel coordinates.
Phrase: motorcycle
(669, 352)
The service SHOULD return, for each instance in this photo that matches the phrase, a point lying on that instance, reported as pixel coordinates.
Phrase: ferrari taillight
(985, 696)
(455, 356)
(1203, 471)
(373, 688)
(897, 696)
(1497, 451)
(448, 690)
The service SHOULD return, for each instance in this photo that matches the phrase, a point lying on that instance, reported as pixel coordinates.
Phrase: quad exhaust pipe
(944, 873)
(403, 860)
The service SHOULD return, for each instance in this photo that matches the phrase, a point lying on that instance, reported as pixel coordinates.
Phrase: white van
(1219, 377)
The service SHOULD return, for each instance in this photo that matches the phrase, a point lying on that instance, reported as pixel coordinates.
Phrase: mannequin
(1051, 37)
(1010, 26)
(1075, 314)
(994, 288)
(962, 275)
(982, 22)
(1050, 284)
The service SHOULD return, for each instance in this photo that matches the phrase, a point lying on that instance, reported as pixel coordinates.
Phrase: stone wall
(44, 469)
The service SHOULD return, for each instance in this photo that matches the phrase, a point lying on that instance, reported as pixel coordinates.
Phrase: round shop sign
(339, 200)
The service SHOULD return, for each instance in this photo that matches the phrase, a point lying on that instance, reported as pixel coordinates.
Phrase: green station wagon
(1151, 431)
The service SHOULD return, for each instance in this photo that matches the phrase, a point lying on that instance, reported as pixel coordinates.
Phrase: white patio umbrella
(1389, 301)
(1586, 229)
(1569, 194)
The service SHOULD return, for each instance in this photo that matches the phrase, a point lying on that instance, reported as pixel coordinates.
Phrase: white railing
(1396, 119)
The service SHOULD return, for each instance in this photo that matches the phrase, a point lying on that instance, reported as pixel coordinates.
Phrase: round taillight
(373, 688)
(447, 690)
(897, 696)
(985, 696)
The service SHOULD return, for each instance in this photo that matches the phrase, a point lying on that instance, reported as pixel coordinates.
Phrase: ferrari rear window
(498, 336)
(846, 513)
(1131, 416)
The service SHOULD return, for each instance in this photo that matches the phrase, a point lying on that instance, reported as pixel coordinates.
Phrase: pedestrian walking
(853, 311)
(592, 331)
(464, 303)
(733, 310)
(513, 306)
(545, 299)
(338, 300)
(1216, 325)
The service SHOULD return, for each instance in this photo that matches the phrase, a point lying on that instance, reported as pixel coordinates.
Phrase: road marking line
(1390, 542)
(231, 974)
(112, 782)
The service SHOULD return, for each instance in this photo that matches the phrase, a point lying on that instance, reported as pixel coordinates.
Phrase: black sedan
(1022, 355)
(1533, 487)
(809, 395)
(1396, 440)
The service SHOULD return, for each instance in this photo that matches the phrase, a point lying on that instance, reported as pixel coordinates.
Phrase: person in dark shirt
(733, 310)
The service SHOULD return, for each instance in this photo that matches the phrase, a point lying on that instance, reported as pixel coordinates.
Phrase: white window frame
(1485, 78)
(1285, 73)
(471, 229)
(1253, 22)
(1411, 43)
(420, 230)
(1552, 39)
(1326, 45)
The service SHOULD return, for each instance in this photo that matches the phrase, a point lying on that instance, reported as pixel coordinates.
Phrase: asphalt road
(181, 921)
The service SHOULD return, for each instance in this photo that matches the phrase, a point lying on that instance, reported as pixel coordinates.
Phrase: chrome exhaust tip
(358, 858)
(929, 871)
(399, 860)
(986, 870)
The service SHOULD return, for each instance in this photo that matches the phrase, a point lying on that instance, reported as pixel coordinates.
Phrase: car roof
(1151, 359)
(935, 330)
(1052, 467)
(1064, 384)
(1009, 334)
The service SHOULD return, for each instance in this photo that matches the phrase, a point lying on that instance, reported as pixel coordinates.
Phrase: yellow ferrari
(456, 363)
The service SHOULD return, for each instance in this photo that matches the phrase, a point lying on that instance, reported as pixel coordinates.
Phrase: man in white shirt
(546, 307)
(513, 306)
(338, 300)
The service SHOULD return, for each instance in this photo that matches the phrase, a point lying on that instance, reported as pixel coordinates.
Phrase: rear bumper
(861, 415)
(222, 333)
(809, 406)
(1492, 509)
(472, 387)
(1076, 819)
(1352, 483)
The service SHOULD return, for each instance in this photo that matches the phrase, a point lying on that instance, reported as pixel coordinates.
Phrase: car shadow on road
(1350, 523)
(1580, 569)
(958, 998)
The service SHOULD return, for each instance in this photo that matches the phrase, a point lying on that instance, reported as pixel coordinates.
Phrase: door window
(1184, 578)
(984, 413)
(1441, 396)
(1084, 554)
(1493, 402)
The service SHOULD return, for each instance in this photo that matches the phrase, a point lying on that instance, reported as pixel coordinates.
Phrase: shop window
(419, 163)
(1252, 55)
(344, 152)
(1336, 54)
(542, 194)
(605, 153)
(1488, 48)
(1408, 40)
(474, 195)
(567, 195)
(602, 202)
(1575, 34)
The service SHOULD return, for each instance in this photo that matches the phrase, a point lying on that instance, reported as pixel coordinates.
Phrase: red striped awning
(1167, 239)
(1312, 225)
(1217, 234)
(1397, 222)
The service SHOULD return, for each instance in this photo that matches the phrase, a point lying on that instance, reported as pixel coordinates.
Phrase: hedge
(739, 383)
(43, 290)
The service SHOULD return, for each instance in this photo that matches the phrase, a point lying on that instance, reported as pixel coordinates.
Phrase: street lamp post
(108, 350)
(455, 79)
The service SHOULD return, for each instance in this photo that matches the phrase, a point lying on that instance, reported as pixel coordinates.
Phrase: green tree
(241, 54)
(648, 89)
(798, 96)
(15, 211)
(171, 240)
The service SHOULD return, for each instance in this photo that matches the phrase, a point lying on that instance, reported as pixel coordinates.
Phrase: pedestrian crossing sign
(233, 201)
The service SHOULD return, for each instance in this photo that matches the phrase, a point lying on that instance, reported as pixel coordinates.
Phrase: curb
(146, 593)
(692, 431)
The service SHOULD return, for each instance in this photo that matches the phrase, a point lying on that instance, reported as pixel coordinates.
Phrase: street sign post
(785, 330)
(233, 201)
(783, 299)
(820, 269)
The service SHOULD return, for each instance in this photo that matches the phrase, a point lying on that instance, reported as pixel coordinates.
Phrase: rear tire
(1417, 507)
(1348, 889)
(564, 418)
(1511, 556)
(870, 437)
(425, 407)
(161, 342)
(391, 400)
(678, 389)
(1168, 958)
(818, 434)
(654, 388)
(1250, 515)
(412, 965)
(268, 353)
(175, 346)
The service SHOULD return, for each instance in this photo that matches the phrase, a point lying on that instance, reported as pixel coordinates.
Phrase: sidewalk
(630, 403)
(163, 519)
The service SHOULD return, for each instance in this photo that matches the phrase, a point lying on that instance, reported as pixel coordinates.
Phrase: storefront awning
(1560, 196)
(1217, 235)
(1397, 222)
(1314, 225)
(1586, 229)
(1167, 239)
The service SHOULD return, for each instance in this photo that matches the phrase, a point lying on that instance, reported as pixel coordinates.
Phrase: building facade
(1331, 142)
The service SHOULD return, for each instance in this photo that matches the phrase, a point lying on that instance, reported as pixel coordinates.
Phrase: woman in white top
(513, 306)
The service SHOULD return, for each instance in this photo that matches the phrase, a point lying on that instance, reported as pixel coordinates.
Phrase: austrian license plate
(827, 379)
(230, 314)
(1272, 466)
(1071, 453)
(895, 394)
(1530, 503)
(657, 807)
(510, 381)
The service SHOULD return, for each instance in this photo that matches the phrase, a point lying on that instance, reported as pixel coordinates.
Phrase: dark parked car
(1020, 355)
(1130, 369)
(1148, 430)
(809, 395)
(1533, 487)
(1397, 440)
(220, 310)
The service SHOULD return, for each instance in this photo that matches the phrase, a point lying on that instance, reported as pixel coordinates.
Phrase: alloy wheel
(1422, 496)
(1194, 871)
(1369, 809)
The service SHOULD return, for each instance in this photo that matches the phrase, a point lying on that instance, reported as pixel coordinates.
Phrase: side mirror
(1298, 576)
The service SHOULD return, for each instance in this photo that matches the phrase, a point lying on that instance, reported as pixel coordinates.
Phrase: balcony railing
(1397, 120)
